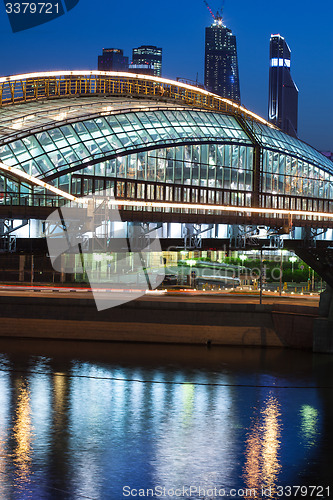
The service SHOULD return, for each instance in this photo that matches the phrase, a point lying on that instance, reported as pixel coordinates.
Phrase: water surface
(108, 421)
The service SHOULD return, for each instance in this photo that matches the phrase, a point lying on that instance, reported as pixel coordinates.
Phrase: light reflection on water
(22, 436)
(84, 421)
(262, 461)
(309, 424)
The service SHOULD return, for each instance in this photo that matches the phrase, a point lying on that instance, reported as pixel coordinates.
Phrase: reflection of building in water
(5, 418)
(22, 433)
(60, 397)
(252, 464)
(262, 465)
(188, 403)
(309, 424)
(195, 437)
(60, 390)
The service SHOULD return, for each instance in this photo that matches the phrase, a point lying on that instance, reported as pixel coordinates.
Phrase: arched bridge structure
(170, 153)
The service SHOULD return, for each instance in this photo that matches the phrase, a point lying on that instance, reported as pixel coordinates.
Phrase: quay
(170, 318)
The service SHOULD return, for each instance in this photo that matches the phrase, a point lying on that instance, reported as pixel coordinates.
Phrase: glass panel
(64, 183)
(234, 179)
(92, 128)
(121, 166)
(103, 145)
(92, 147)
(22, 156)
(235, 157)
(103, 126)
(57, 159)
(163, 134)
(70, 134)
(114, 142)
(147, 137)
(151, 171)
(288, 165)
(7, 156)
(249, 159)
(134, 137)
(46, 142)
(277, 139)
(31, 168)
(241, 179)
(248, 181)
(69, 155)
(124, 139)
(124, 122)
(17, 147)
(275, 163)
(110, 167)
(134, 120)
(56, 136)
(142, 165)
(33, 146)
(100, 168)
(81, 131)
(144, 120)
(178, 165)
(44, 164)
(81, 151)
(131, 166)
(160, 166)
(226, 178)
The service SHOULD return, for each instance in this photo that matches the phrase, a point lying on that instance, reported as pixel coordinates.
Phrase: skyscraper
(283, 93)
(221, 65)
(143, 69)
(112, 60)
(148, 56)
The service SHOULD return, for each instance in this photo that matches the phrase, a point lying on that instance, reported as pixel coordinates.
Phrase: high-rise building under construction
(221, 64)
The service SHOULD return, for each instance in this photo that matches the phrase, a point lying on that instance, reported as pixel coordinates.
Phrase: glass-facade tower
(221, 65)
(147, 57)
(283, 92)
(112, 60)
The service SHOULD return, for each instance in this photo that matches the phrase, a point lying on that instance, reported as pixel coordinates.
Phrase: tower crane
(218, 15)
(210, 10)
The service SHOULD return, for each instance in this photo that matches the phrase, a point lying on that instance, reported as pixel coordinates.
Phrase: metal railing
(140, 190)
(31, 200)
(35, 86)
(170, 194)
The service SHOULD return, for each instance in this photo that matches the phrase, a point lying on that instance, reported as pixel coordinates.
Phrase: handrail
(46, 85)
(30, 199)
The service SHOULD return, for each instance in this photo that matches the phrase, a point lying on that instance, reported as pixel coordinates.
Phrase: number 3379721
(32, 8)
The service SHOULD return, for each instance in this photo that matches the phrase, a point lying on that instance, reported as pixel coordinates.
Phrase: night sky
(74, 41)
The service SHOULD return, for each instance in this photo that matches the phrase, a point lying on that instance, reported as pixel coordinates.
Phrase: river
(112, 421)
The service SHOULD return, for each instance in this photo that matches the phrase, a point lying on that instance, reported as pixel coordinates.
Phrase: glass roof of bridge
(47, 137)
(275, 139)
(21, 119)
(73, 144)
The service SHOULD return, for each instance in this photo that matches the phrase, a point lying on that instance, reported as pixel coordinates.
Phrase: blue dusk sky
(74, 40)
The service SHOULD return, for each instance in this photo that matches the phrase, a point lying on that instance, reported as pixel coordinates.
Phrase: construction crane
(218, 15)
(210, 10)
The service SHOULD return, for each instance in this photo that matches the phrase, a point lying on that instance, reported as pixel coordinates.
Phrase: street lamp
(292, 259)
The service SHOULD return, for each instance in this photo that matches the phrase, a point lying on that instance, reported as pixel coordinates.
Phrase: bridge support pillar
(323, 325)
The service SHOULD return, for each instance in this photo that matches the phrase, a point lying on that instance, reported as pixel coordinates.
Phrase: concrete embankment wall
(160, 321)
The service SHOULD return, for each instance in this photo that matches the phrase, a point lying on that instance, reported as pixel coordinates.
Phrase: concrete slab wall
(159, 321)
